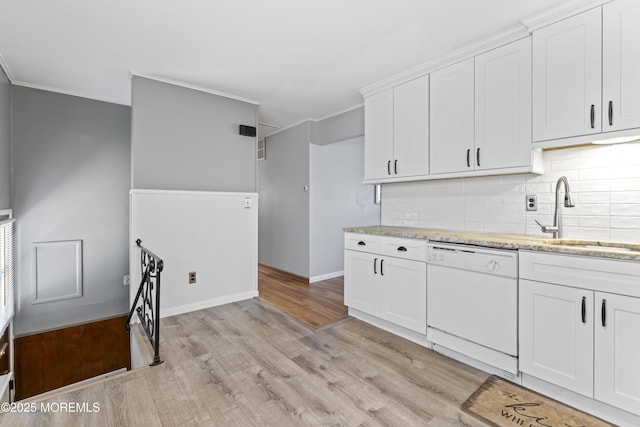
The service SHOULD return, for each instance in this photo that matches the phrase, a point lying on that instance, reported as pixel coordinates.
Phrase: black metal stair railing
(148, 312)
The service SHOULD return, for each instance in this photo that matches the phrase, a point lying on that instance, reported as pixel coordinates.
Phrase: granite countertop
(602, 249)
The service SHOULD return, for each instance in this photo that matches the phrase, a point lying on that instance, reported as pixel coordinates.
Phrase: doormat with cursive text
(501, 403)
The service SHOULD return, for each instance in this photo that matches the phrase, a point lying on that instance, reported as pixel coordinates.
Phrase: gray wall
(340, 127)
(183, 139)
(5, 141)
(283, 212)
(71, 162)
(338, 199)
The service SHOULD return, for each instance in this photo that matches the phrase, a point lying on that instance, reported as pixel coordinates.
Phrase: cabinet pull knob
(593, 116)
(478, 156)
(402, 249)
(610, 113)
(389, 167)
(468, 159)
(381, 270)
(603, 313)
(375, 262)
(361, 243)
(395, 167)
(584, 309)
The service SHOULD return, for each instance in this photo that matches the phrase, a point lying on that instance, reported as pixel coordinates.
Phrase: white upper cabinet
(621, 65)
(451, 118)
(481, 112)
(397, 131)
(503, 106)
(378, 134)
(567, 77)
(411, 128)
(586, 74)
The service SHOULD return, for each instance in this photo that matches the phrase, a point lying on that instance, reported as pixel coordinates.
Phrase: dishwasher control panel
(473, 258)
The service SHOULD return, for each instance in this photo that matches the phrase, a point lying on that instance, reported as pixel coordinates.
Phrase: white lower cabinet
(574, 335)
(617, 351)
(361, 287)
(393, 288)
(556, 345)
(403, 293)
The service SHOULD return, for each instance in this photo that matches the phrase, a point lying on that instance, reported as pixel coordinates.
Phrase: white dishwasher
(472, 302)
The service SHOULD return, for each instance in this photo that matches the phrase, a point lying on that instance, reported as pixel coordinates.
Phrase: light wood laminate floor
(246, 364)
(318, 304)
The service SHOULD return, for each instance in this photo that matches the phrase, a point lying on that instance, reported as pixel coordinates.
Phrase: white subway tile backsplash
(592, 221)
(626, 222)
(605, 181)
(625, 235)
(625, 196)
(599, 197)
(624, 209)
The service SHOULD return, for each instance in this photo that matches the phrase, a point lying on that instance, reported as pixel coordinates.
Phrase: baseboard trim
(213, 302)
(327, 276)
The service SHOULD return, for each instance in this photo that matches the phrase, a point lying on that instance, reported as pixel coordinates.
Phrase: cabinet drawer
(598, 274)
(414, 249)
(362, 242)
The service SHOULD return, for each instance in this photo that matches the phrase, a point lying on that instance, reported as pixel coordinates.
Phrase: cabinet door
(361, 283)
(411, 128)
(451, 118)
(621, 65)
(378, 135)
(617, 351)
(567, 79)
(503, 106)
(403, 293)
(556, 342)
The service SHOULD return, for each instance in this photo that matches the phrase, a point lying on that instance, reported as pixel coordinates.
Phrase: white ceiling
(298, 59)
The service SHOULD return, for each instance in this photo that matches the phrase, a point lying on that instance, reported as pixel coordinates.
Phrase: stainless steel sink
(595, 245)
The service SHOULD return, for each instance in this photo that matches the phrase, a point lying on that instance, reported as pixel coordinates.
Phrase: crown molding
(346, 110)
(6, 69)
(518, 31)
(193, 87)
(72, 93)
(514, 33)
(559, 12)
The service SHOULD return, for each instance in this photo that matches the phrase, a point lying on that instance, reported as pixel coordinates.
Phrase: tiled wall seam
(604, 180)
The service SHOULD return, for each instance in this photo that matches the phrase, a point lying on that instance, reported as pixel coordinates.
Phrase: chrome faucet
(556, 228)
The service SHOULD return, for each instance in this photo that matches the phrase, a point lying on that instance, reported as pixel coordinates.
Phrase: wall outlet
(532, 202)
(192, 277)
(125, 280)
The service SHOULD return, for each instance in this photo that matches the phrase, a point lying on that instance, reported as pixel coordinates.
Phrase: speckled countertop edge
(495, 240)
